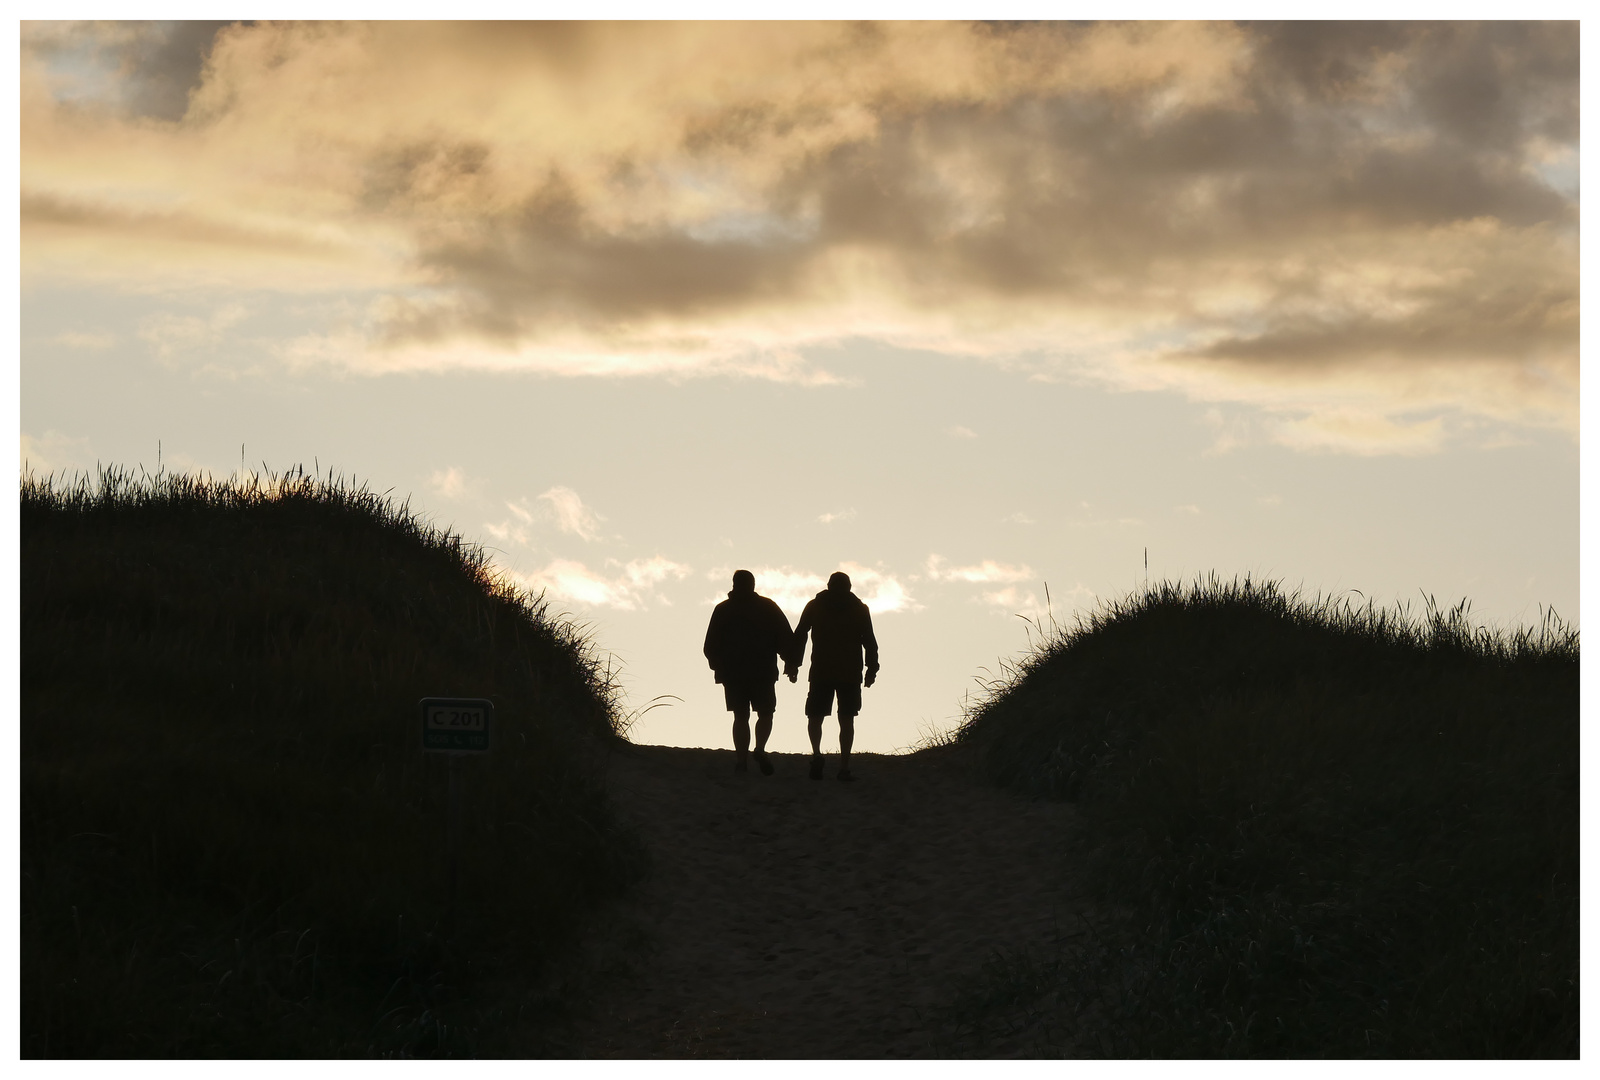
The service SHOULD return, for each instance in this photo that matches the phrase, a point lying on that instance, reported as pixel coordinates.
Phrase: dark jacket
(841, 630)
(747, 632)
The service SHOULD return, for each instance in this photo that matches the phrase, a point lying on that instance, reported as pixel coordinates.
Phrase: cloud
(1232, 432)
(170, 334)
(451, 482)
(985, 572)
(54, 452)
(1354, 229)
(630, 586)
(1014, 601)
(1359, 433)
(882, 592)
(565, 506)
(572, 516)
(792, 589)
(831, 516)
(75, 339)
(959, 432)
(145, 69)
(1053, 608)
(507, 532)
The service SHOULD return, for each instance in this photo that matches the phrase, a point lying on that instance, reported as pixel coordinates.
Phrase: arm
(869, 642)
(798, 655)
(783, 641)
(713, 646)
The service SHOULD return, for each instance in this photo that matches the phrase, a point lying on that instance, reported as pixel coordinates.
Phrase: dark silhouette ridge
(1358, 827)
(747, 634)
(231, 841)
(840, 626)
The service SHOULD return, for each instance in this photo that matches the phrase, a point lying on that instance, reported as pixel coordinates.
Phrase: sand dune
(792, 918)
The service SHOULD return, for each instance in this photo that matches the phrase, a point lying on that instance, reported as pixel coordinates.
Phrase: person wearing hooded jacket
(746, 635)
(841, 633)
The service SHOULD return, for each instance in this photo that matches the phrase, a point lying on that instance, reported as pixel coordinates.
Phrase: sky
(987, 316)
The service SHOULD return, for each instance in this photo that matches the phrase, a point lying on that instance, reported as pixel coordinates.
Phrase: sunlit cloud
(1360, 433)
(831, 516)
(572, 516)
(1053, 609)
(792, 589)
(630, 586)
(986, 572)
(449, 482)
(882, 592)
(646, 574)
(54, 452)
(508, 531)
(1015, 601)
(1357, 232)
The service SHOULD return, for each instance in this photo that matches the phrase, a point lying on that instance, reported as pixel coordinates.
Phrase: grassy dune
(232, 843)
(1334, 831)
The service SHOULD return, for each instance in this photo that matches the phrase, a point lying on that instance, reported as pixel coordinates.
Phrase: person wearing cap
(841, 633)
(747, 634)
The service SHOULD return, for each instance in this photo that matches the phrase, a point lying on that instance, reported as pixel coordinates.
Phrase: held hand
(792, 672)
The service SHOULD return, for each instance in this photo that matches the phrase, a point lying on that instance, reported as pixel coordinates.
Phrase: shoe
(764, 763)
(816, 766)
(846, 774)
(739, 765)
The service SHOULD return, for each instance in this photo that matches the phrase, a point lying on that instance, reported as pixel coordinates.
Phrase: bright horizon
(970, 312)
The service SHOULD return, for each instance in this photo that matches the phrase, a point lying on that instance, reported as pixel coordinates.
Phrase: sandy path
(798, 918)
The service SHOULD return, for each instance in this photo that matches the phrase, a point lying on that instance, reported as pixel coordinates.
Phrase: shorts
(819, 698)
(761, 697)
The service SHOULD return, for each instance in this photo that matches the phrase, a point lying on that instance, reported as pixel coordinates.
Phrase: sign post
(455, 726)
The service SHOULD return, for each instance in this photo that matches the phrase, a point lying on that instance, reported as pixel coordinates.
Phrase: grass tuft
(232, 843)
(1340, 831)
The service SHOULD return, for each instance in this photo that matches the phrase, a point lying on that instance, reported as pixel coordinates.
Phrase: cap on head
(744, 581)
(839, 581)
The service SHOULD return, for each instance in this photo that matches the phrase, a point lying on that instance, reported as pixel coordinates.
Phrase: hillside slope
(232, 843)
(1340, 831)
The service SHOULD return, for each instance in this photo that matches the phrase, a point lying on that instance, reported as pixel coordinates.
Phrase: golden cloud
(1346, 225)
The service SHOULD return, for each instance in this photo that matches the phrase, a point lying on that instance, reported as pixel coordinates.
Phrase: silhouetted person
(747, 634)
(841, 631)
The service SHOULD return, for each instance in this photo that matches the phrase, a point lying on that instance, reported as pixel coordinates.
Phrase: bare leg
(763, 730)
(847, 737)
(814, 729)
(741, 736)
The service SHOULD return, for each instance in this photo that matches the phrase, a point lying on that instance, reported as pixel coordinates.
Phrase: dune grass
(1318, 830)
(232, 843)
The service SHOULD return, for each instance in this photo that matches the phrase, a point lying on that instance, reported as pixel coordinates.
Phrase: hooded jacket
(841, 631)
(747, 633)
